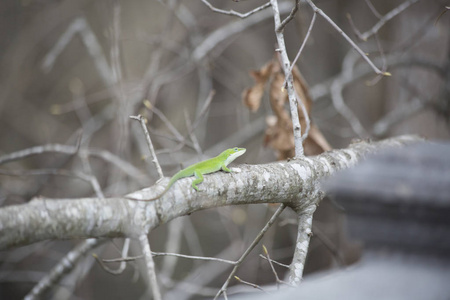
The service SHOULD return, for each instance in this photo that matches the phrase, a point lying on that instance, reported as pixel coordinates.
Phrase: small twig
(447, 8)
(338, 29)
(329, 245)
(278, 281)
(250, 248)
(250, 284)
(235, 13)
(383, 59)
(71, 150)
(397, 115)
(204, 109)
(373, 9)
(150, 144)
(291, 15)
(63, 267)
(125, 248)
(191, 133)
(274, 261)
(150, 266)
(386, 18)
(293, 102)
(304, 40)
(163, 118)
(132, 258)
(306, 115)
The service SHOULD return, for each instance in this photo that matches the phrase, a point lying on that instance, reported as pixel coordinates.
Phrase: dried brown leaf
(251, 97)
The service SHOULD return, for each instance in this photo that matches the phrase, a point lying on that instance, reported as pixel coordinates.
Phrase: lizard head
(231, 154)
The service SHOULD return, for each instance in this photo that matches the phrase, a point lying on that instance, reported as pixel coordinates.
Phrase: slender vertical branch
(305, 218)
(61, 269)
(150, 144)
(349, 40)
(293, 103)
(249, 249)
(150, 266)
(304, 41)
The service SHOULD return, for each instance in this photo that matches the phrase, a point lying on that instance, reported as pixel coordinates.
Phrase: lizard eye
(236, 149)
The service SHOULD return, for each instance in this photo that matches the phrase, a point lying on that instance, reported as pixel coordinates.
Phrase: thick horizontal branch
(295, 183)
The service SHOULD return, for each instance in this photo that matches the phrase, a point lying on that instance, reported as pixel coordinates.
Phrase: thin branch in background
(204, 109)
(306, 115)
(346, 37)
(383, 59)
(399, 114)
(93, 180)
(447, 8)
(63, 267)
(193, 257)
(229, 30)
(80, 26)
(293, 103)
(163, 118)
(149, 142)
(249, 249)
(386, 18)
(150, 266)
(278, 280)
(336, 91)
(123, 263)
(234, 13)
(313, 20)
(373, 9)
(250, 284)
(71, 150)
(291, 15)
(191, 133)
(329, 245)
(173, 244)
(274, 261)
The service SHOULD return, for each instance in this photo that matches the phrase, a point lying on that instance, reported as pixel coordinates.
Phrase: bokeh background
(73, 72)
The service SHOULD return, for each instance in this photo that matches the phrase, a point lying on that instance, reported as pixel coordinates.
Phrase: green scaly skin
(199, 169)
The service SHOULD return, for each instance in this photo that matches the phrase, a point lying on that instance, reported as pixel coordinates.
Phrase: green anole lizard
(199, 169)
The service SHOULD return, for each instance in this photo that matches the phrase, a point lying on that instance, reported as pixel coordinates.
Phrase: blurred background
(73, 72)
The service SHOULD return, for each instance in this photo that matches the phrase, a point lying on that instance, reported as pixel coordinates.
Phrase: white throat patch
(233, 157)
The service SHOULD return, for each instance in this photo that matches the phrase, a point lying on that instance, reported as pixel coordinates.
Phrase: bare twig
(150, 144)
(150, 266)
(291, 15)
(250, 284)
(71, 150)
(386, 18)
(373, 9)
(80, 26)
(328, 244)
(250, 248)
(397, 115)
(163, 118)
(61, 269)
(123, 264)
(225, 32)
(338, 29)
(278, 280)
(274, 261)
(293, 103)
(235, 13)
(313, 20)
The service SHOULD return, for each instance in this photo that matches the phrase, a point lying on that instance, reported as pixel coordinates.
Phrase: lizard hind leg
(198, 179)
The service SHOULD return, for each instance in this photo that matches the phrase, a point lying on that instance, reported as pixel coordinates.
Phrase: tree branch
(44, 219)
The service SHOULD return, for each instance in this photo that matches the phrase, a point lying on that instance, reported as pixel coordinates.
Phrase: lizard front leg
(225, 169)
(198, 179)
